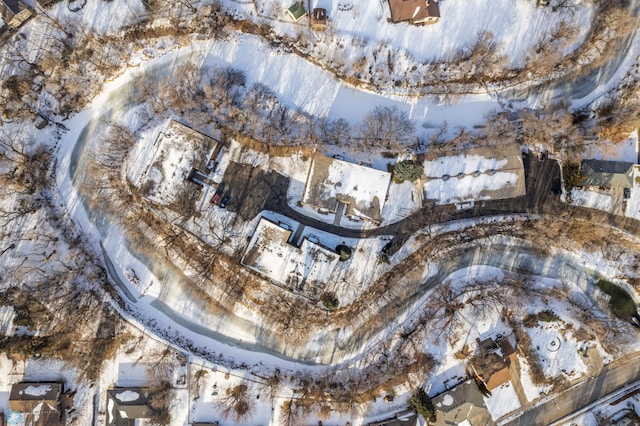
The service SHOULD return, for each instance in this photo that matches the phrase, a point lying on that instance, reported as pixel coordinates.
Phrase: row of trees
(222, 96)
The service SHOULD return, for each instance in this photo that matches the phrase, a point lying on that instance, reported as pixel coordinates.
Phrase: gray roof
(466, 392)
(14, 6)
(133, 402)
(607, 174)
(464, 402)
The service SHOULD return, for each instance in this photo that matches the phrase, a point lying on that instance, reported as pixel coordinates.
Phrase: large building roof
(475, 174)
(608, 174)
(415, 11)
(303, 269)
(361, 188)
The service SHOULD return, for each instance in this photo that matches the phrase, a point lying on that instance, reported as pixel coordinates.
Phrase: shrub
(544, 316)
(407, 170)
(573, 176)
(423, 405)
(344, 252)
(621, 303)
(22, 318)
(330, 301)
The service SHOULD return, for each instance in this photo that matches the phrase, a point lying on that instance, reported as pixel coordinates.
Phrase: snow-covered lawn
(403, 200)
(211, 389)
(503, 400)
(557, 351)
(625, 151)
(531, 390)
(516, 26)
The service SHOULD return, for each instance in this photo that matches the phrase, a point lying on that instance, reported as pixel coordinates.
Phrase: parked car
(224, 201)
(216, 198)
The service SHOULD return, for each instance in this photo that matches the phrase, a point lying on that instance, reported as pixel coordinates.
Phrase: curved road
(541, 177)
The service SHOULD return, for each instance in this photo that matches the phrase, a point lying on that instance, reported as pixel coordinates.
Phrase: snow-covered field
(515, 24)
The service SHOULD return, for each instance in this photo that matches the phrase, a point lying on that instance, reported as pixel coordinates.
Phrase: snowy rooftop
(331, 181)
(126, 403)
(304, 269)
(491, 173)
(35, 391)
(175, 151)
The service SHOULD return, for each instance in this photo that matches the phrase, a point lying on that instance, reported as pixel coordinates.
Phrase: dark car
(224, 201)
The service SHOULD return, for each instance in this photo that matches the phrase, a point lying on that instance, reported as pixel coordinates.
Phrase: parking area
(249, 189)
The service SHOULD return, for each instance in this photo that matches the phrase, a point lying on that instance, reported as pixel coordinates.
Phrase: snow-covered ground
(46, 370)
(306, 87)
(503, 400)
(557, 351)
(516, 26)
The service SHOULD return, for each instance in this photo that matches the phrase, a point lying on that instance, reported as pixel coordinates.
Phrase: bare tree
(386, 127)
(237, 404)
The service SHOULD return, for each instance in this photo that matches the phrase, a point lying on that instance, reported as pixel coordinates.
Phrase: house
(416, 12)
(319, 19)
(476, 174)
(491, 365)
(297, 11)
(36, 403)
(14, 13)
(607, 174)
(126, 405)
(336, 186)
(462, 403)
(177, 167)
(302, 269)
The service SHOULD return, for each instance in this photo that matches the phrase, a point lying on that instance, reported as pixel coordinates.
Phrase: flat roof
(361, 188)
(476, 174)
(303, 268)
(177, 150)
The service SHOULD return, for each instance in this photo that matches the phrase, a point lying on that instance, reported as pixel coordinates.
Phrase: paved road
(612, 377)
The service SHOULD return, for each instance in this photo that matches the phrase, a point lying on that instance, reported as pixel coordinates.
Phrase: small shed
(319, 19)
(297, 11)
